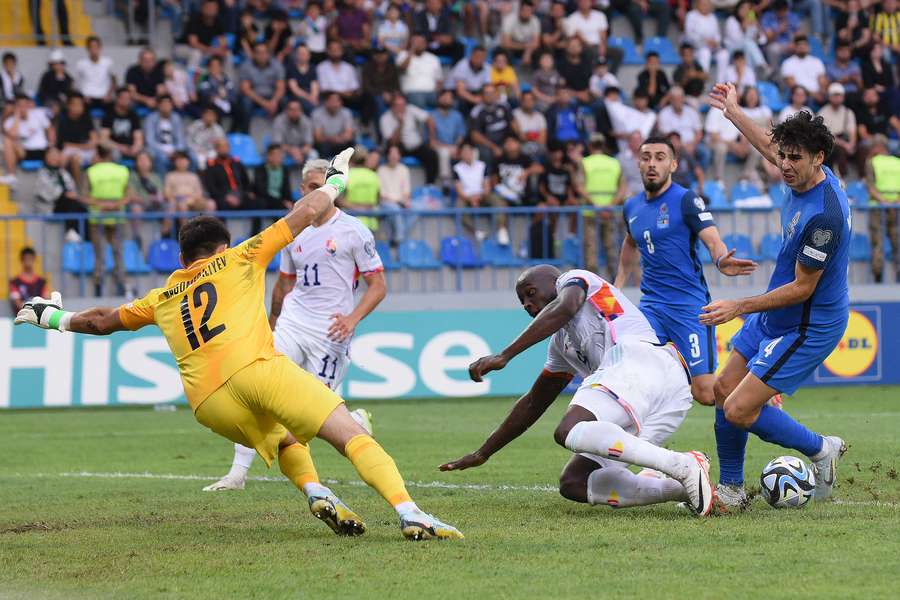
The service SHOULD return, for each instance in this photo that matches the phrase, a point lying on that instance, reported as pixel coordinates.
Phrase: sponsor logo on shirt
(793, 225)
(331, 247)
(662, 219)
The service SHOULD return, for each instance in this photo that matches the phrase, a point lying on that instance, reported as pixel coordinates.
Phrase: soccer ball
(787, 482)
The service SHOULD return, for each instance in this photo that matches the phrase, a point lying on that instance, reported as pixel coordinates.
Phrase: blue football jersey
(665, 230)
(815, 229)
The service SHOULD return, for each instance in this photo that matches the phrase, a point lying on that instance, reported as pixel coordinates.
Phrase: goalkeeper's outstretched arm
(49, 314)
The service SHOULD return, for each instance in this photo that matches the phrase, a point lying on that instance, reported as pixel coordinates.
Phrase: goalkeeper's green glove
(338, 170)
(44, 313)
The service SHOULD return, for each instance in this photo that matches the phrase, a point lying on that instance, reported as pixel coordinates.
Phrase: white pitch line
(478, 487)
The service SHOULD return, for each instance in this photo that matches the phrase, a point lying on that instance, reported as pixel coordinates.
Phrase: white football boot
(825, 469)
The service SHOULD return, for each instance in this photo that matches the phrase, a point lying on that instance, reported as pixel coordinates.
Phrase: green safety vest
(601, 178)
(107, 181)
(363, 187)
(887, 176)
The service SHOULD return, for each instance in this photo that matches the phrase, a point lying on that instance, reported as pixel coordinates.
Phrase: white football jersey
(605, 318)
(326, 262)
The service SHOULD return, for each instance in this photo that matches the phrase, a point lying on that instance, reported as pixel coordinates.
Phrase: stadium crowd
(500, 103)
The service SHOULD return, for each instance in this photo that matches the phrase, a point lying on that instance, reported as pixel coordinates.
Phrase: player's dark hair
(104, 152)
(660, 139)
(805, 131)
(27, 251)
(201, 236)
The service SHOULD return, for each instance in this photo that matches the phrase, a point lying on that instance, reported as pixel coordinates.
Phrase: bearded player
(312, 311)
(635, 394)
(213, 317)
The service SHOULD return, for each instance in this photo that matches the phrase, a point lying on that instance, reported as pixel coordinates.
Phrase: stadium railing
(437, 253)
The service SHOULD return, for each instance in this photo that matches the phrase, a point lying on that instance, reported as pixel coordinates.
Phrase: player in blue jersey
(796, 324)
(662, 225)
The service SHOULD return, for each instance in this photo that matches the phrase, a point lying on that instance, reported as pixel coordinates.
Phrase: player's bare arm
(524, 413)
(282, 288)
(724, 96)
(724, 259)
(796, 292)
(313, 205)
(628, 260)
(49, 314)
(343, 326)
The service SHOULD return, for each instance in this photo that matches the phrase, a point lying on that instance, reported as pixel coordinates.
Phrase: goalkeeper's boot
(825, 465)
(731, 499)
(417, 525)
(229, 482)
(337, 515)
(363, 418)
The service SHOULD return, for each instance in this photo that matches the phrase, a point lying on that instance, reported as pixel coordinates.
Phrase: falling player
(795, 325)
(635, 394)
(213, 317)
(662, 225)
(318, 277)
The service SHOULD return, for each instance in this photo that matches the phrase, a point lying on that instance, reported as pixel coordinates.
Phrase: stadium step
(12, 239)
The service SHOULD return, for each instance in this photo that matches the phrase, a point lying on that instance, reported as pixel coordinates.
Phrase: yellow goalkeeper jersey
(213, 314)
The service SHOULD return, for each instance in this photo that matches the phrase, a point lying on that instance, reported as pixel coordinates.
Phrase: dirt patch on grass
(32, 527)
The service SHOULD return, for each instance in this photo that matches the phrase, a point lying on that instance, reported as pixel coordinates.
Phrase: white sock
(406, 507)
(316, 489)
(611, 441)
(243, 458)
(620, 488)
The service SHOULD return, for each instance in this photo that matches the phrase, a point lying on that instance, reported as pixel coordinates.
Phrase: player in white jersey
(635, 394)
(313, 314)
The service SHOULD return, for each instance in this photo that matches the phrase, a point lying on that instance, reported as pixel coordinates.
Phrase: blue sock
(777, 427)
(731, 442)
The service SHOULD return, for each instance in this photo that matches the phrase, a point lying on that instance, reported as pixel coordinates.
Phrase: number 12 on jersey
(212, 297)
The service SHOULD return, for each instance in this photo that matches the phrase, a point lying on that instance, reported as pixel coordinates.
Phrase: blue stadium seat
(778, 192)
(571, 251)
(499, 256)
(141, 111)
(275, 263)
(387, 257)
(78, 257)
(858, 193)
(742, 243)
(661, 45)
(888, 250)
(469, 44)
(714, 192)
(630, 53)
(367, 142)
(411, 161)
(818, 50)
(244, 149)
(458, 251)
(770, 95)
(860, 248)
(770, 246)
(134, 258)
(96, 113)
(416, 254)
(31, 165)
(743, 190)
(163, 256)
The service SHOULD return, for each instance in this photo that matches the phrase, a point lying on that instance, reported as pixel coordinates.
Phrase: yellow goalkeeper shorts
(264, 400)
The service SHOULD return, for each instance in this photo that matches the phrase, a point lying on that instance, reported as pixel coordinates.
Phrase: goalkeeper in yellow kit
(213, 317)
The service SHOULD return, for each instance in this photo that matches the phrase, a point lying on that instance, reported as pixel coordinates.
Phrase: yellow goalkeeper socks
(377, 469)
(295, 461)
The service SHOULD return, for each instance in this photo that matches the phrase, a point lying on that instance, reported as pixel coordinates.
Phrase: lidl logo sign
(858, 354)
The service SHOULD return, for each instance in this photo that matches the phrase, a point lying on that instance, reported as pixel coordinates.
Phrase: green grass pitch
(69, 528)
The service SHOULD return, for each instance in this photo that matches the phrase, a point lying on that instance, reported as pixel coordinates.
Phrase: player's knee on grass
(572, 487)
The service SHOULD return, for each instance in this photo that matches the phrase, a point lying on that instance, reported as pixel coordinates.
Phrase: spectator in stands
(683, 118)
(591, 28)
(530, 126)
(468, 77)
(846, 72)
(604, 187)
(202, 134)
(217, 89)
(701, 29)
(120, 128)
(406, 126)
(107, 196)
(546, 80)
(687, 168)
(56, 83)
(690, 75)
(819, 15)
(779, 26)
(436, 22)
(380, 81)
(490, 124)
(301, 79)
(28, 133)
(739, 72)
(873, 119)
(27, 284)
(395, 185)
(75, 136)
(885, 25)
(473, 188)
(520, 32)
(333, 127)
(564, 122)
(164, 133)
(313, 30)
(841, 121)
(271, 181)
(353, 27)
(337, 75)
(96, 81)
(247, 35)
(144, 78)
(363, 189)
(628, 158)
(653, 81)
(504, 77)
(511, 182)
(205, 34)
(724, 139)
(293, 131)
(12, 82)
(278, 35)
(179, 86)
(449, 129)
(261, 82)
(742, 33)
(56, 190)
(802, 68)
(421, 73)
(553, 30)
(556, 187)
(183, 189)
(393, 34)
(602, 79)
(760, 114)
(851, 24)
(799, 99)
(226, 180)
(576, 70)
(145, 195)
(624, 119)
(876, 72)
(883, 182)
